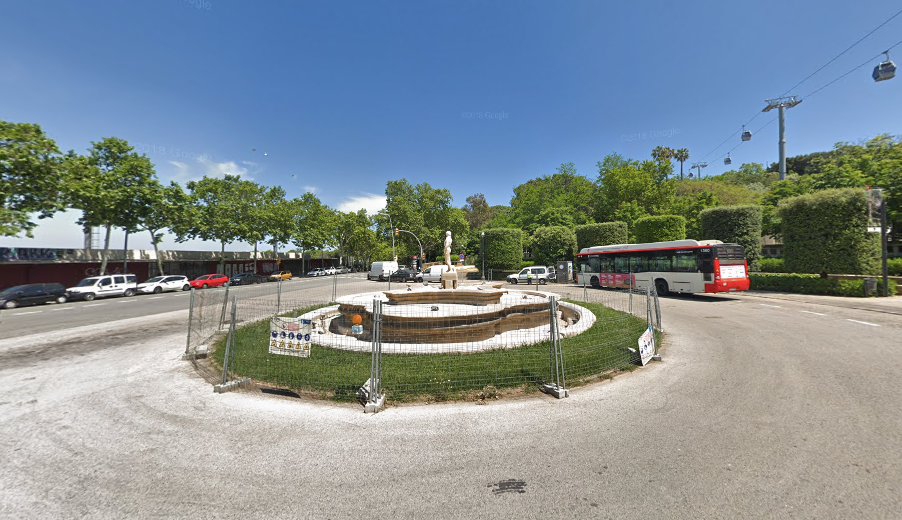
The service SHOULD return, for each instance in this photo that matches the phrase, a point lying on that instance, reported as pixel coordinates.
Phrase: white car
(104, 286)
(316, 271)
(158, 284)
(330, 271)
(536, 274)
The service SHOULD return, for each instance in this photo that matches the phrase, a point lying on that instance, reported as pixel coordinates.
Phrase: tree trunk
(222, 258)
(156, 251)
(255, 257)
(125, 254)
(681, 170)
(106, 249)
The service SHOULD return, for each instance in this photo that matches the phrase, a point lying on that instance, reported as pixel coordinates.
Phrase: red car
(209, 280)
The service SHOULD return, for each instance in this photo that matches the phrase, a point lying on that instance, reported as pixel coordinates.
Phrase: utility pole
(782, 103)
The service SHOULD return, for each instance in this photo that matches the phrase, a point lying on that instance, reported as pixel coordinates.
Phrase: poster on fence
(646, 346)
(289, 336)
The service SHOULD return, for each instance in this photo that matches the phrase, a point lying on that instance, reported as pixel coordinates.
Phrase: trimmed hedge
(553, 243)
(775, 265)
(811, 284)
(604, 234)
(826, 232)
(734, 224)
(660, 228)
(503, 248)
(770, 265)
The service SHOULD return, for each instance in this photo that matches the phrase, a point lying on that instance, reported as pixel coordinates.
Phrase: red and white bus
(681, 266)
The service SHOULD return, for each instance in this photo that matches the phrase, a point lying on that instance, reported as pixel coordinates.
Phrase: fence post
(190, 320)
(371, 391)
(228, 360)
(279, 298)
(557, 387)
(650, 316)
(225, 304)
(334, 286)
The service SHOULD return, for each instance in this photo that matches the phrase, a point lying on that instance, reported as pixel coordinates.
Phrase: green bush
(770, 265)
(503, 248)
(553, 243)
(734, 224)
(826, 232)
(604, 234)
(810, 284)
(893, 266)
(661, 228)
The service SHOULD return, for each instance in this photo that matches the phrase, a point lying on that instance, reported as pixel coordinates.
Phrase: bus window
(706, 261)
(686, 262)
(606, 264)
(621, 264)
(661, 262)
(638, 264)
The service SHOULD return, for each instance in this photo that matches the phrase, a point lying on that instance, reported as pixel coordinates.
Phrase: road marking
(93, 305)
(812, 312)
(24, 313)
(62, 309)
(863, 322)
(127, 301)
(155, 298)
(766, 305)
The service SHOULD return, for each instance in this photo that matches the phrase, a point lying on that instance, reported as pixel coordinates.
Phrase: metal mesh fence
(333, 335)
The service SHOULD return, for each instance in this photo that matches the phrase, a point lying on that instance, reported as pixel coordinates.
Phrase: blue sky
(474, 96)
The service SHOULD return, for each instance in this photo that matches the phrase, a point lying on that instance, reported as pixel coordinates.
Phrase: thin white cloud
(310, 189)
(368, 201)
(204, 167)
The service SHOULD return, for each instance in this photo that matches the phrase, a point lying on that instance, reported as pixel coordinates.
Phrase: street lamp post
(482, 252)
(414, 236)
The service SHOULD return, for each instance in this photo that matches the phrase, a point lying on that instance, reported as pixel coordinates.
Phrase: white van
(433, 273)
(381, 270)
(103, 286)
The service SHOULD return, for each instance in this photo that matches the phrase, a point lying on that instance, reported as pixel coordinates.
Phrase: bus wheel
(661, 287)
(594, 282)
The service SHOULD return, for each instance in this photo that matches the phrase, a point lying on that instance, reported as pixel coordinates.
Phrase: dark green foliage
(894, 267)
(826, 232)
(661, 228)
(503, 248)
(604, 234)
(735, 224)
(771, 265)
(553, 243)
(810, 284)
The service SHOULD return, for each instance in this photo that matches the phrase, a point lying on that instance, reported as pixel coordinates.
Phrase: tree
(163, 207)
(681, 155)
(31, 179)
(312, 221)
(628, 189)
(562, 197)
(735, 224)
(603, 234)
(103, 185)
(224, 211)
(477, 211)
(660, 228)
(427, 213)
(662, 154)
(503, 248)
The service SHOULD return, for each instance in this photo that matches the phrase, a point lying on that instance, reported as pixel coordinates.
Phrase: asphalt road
(761, 408)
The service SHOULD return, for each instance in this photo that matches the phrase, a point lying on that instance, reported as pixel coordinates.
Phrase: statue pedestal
(449, 280)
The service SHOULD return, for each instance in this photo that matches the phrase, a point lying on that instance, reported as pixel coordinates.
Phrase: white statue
(448, 249)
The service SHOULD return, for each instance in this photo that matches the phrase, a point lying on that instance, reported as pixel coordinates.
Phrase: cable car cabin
(884, 71)
(746, 135)
(728, 160)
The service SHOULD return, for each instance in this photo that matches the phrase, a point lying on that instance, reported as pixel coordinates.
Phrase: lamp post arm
(418, 243)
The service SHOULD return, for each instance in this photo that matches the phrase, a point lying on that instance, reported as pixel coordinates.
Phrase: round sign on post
(461, 257)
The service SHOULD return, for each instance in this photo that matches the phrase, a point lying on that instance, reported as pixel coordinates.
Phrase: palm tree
(681, 155)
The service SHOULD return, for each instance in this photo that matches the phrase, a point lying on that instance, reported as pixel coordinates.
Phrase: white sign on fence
(289, 336)
(646, 346)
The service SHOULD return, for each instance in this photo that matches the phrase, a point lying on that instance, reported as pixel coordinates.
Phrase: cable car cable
(870, 61)
(840, 54)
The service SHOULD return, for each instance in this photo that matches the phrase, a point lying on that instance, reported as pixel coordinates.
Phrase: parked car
(247, 279)
(158, 284)
(330, 271)
(433, 273)
(279, 276)
(381, 270)
(209, 280)
(316, 271)
(532, 274)
(32, 294)
(104, 286)
(403, 275)
(343, 269)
